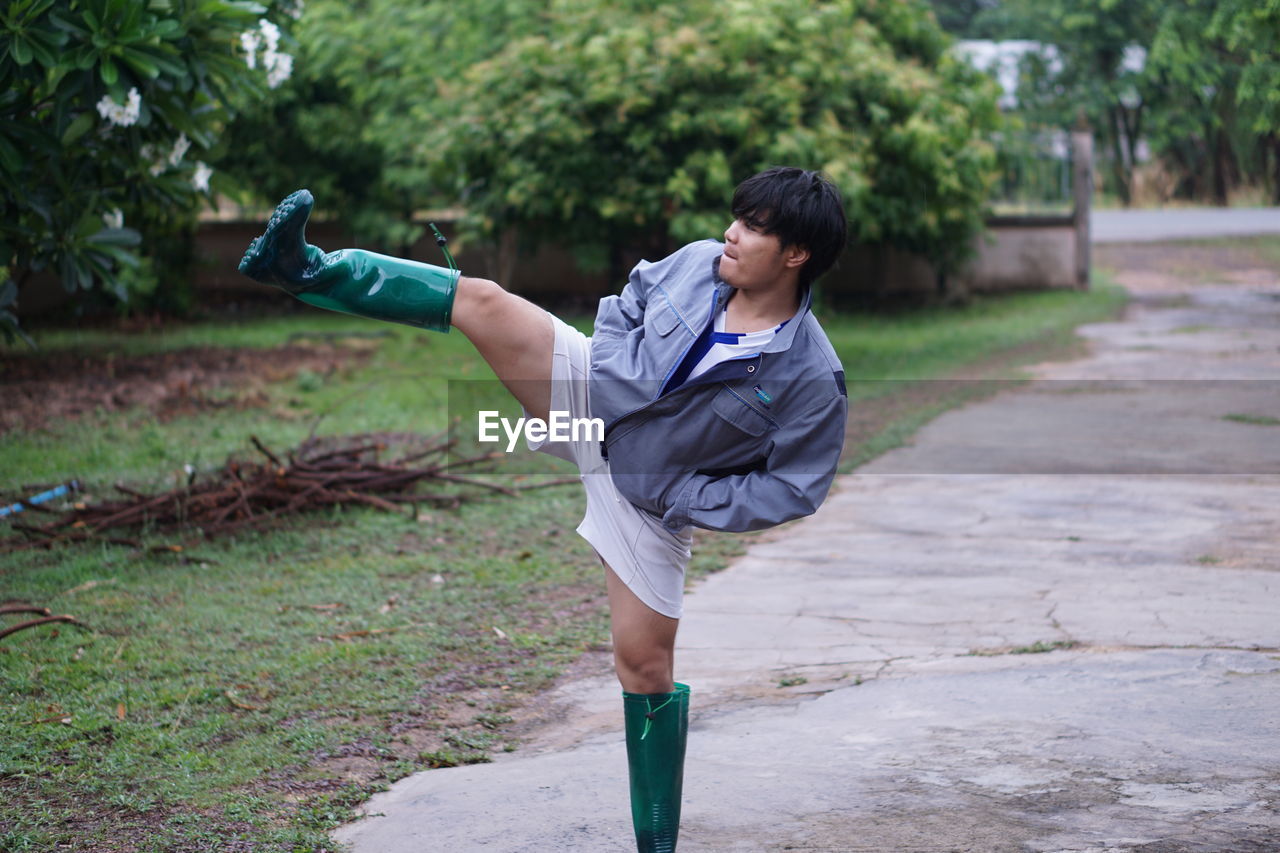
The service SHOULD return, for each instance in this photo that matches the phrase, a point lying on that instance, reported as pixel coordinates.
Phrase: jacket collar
(781, 341)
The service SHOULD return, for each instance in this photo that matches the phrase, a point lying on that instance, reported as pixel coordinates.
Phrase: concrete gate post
(1082, 196)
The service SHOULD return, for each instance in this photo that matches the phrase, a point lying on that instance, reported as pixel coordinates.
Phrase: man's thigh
(514, 336)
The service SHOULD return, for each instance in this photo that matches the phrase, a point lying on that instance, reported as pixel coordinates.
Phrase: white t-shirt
(726, 346)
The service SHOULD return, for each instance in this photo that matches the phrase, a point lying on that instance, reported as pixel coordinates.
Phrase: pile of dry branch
(249, 494)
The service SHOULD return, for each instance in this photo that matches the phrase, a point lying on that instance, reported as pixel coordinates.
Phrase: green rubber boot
(657, 728)
(352, 281)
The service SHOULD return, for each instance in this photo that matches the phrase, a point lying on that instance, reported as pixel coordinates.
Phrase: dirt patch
(45, 388)
(1165, 267)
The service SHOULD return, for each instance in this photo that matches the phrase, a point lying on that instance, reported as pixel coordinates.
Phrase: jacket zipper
(604, 448)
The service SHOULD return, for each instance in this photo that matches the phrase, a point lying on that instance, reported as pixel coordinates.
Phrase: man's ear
(796, 256)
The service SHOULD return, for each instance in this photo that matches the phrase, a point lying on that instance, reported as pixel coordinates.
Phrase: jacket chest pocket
(730, 407)
(661, 318)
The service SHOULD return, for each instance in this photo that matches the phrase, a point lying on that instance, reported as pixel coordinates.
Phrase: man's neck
(755, 311)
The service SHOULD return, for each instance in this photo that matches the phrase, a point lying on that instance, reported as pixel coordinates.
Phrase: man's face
(754, 260)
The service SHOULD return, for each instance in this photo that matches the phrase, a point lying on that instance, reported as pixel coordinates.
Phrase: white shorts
(644, 555)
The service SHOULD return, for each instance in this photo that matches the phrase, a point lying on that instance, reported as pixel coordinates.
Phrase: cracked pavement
(1051, 623)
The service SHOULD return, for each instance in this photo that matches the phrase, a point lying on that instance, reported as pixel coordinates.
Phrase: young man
(723, 403)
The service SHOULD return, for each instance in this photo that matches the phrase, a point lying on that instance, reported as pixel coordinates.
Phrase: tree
(628, 125)
(370, 86)
(1250, 30)
(1091, 63)
(966, 19)
(1198, 81)
(1218, 67)
(102, 102)
(1199, 78)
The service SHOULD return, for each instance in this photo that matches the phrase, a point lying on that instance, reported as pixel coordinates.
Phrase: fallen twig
(546, 484)
(267, 453)
(25, 608)
(44, 620)
(452, 479)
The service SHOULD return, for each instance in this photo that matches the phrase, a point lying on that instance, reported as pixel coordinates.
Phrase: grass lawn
(246, 693)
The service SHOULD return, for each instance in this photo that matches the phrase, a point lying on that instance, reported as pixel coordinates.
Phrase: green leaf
(108, 71)
(81, 125)
(166, 28)
(51, 39)
(10, 159)
(82, 58)
(43, 54)
(256, 10)
(83, 275)
(65, 26)
(116, 237)
(37, 9)
(141, 63)
(9, 326)
(67, 276)
(163, 61)
(121, 256)
(20, 50)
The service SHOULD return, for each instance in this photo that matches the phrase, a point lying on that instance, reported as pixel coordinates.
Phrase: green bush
(631, 126)
(606, 125)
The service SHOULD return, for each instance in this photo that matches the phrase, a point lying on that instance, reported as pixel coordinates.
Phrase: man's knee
(643, 670)
(478, 295)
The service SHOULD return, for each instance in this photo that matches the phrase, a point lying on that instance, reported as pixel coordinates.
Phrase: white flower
(267, 36)
(279, 70)
(200, 180)
(249, 40)
(179, 149)
(295, 11)
(121, 115)
(158, 165)
(105, 105)
(114, 219)
(271, 33)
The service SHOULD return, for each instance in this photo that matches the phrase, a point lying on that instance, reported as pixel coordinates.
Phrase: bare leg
(644, 641)
(513, 335)
(516, 338)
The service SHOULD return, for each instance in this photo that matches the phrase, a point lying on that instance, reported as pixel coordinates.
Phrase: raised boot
(352, 281)
(657, 727)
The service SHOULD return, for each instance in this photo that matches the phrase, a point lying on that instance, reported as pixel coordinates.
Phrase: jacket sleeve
(793, 482)
(618, 315)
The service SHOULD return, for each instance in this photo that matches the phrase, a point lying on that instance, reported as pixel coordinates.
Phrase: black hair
(802, 208)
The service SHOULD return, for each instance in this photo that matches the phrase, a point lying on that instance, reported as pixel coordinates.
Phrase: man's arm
(794, 481)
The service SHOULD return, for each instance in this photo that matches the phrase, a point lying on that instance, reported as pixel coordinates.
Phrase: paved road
(1051, 623)
(1144, 226)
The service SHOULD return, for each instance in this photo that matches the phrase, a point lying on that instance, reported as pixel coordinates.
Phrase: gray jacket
(752, 443)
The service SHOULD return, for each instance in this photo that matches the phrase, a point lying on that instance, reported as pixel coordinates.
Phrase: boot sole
(256, 263)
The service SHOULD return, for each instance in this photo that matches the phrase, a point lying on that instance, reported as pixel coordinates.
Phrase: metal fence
(1035, 173)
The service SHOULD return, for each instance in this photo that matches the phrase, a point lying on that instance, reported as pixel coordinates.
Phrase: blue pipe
(56, 492)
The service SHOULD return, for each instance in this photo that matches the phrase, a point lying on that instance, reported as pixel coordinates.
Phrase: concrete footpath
(1051, 623)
